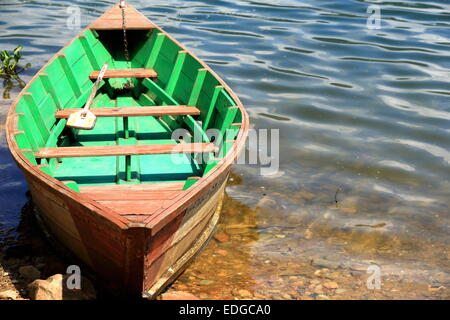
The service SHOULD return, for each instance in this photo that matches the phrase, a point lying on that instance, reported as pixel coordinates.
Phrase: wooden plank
(135, 111)
(89, 53)
(173, 80)
(28, 133)
(69, 74)
(135, 207)
(212, 105)
(106, 151)
(155, 50)
(126, 73)
(160, 92)
(199, 80)
(55, 133)
(133, 195)
(32, 106)
(50, 89)
(116, 24)
(167, 186)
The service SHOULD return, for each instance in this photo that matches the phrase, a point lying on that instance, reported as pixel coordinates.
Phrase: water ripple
(366, 109)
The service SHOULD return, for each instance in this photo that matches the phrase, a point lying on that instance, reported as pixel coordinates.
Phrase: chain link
(129, 83)
(125, 39)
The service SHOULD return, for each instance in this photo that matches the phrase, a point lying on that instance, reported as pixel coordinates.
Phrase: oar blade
(84, 120)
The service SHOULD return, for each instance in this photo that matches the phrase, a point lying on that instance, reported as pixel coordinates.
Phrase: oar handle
(95, 88)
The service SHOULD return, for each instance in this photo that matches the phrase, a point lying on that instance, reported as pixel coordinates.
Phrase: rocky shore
(31, 269)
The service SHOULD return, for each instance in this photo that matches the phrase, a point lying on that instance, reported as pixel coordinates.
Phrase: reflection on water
(364, 124)
(10, 83)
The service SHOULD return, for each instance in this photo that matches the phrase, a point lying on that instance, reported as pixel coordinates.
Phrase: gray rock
(324, 263)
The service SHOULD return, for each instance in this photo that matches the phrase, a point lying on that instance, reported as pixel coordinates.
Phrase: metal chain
(129, 83)
(124, 27)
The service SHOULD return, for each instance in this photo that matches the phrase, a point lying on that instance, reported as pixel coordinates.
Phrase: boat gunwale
(162, 216)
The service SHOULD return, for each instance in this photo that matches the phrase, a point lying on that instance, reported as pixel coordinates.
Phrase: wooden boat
(129, 199)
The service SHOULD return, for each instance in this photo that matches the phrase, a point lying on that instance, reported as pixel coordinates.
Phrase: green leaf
(17, 50)
(3, 55)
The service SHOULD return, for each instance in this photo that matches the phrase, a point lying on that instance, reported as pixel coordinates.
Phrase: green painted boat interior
(181, 80)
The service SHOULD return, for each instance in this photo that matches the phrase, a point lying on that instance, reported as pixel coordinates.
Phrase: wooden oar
(85, 119)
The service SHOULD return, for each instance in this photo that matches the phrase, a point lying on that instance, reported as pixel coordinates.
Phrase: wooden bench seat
(125, 73)
(140, 187)
(135, 111)
(105, 151)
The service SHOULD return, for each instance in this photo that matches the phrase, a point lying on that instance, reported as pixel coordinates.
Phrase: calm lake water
(364, 119)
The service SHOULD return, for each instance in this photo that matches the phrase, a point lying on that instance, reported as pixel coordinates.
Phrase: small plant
(10, 62)
(10, 69)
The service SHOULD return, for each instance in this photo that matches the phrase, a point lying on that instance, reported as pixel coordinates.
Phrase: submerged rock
(331, 285)
(205, 282)
(222, 237)
(324, 263)
(245, 293)
(55, 288)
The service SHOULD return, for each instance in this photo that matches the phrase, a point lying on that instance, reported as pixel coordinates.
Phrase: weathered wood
(118, 188)
(135, 111)
(112, 20)
(135, 207)
(107, 151)
(126, 73)
(130, 196)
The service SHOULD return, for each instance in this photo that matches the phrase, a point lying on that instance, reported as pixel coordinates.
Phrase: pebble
(318, 289)
(178, 295)
(222, 252)
(205, 282)
(319, 262)
(331, 285)
(245, 293)
(222, 237)
(308, 234)
(286, 296)
(298, 283)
